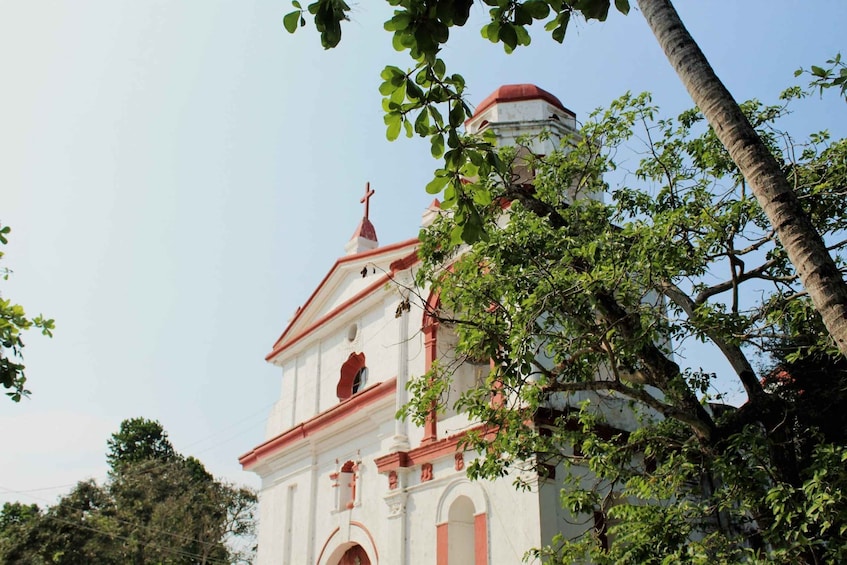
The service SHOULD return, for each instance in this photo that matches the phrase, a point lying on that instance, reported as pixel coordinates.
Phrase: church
(342, 480)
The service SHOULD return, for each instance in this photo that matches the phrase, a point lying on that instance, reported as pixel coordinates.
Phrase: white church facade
(342, 480)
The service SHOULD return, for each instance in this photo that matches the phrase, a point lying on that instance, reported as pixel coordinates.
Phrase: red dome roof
(517, 92)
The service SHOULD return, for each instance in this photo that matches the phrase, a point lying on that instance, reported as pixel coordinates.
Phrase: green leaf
(394, 121)
(522, 16)
(439, 68)
(400, 21)
(290, 21)
(491, 32)
(538, 9)
(473, 231)
(399, 41)
(481, 196)
(559, 32)
(457, 114)
(399, 94)
(508, 36)
(413, 91)
(818, 71)
(523, 35)
(436, 116)
(622, 6)
(422, 77)
(422, 123)
(593, 9)
(437, 148)
(437, 184)
(452, 138)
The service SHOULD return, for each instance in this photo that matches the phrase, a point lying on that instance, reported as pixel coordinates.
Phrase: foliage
(427, 100)
(412, 99)
(13, 321)
(581, 303)
(833, 76)
(138, 440)
(157, 507)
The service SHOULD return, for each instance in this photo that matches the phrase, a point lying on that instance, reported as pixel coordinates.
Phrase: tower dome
(515, 110)
(517, 93)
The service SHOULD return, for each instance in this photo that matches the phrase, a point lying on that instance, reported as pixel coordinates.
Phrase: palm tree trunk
(802, 242)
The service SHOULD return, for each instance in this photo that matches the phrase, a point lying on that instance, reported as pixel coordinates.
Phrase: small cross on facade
(366, 199)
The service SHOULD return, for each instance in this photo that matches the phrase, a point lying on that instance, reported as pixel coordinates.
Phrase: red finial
(366, 199)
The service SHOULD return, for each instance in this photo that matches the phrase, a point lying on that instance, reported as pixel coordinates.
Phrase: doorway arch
(355, 555)
(340, 542)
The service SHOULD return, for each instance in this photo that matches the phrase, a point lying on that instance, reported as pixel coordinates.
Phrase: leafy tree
(13, 321)
(412, 99)
(16, 526)
(170, 509)
(580, 304)
(73, 531)
(157, 507)
(139, 440)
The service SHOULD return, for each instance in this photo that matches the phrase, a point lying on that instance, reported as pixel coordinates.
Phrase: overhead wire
(179, 552)
(138, 525)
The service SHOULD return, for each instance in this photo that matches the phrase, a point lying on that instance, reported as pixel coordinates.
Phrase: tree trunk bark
(802, 242)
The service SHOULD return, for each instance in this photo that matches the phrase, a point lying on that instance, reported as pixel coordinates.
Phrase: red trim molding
(430, 330)
(426, 453)
(325, 419)
(442, 552)
(480, 539)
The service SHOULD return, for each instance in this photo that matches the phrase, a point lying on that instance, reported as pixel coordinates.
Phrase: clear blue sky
(179, 176)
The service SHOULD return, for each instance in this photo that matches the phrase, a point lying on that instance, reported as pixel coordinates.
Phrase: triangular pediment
(350, 280)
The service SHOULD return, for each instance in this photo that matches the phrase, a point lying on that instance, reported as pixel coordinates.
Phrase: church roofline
(325, 419)
(399, 265)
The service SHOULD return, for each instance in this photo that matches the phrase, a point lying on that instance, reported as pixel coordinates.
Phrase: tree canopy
(413, 98)
(157, 507)
(583, 303)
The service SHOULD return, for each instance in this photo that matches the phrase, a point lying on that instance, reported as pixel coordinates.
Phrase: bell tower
(517, 110)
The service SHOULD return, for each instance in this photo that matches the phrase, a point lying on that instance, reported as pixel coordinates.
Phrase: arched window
(461, 544)
(353, 377)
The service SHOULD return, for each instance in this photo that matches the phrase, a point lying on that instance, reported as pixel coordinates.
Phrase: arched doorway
(355, 556)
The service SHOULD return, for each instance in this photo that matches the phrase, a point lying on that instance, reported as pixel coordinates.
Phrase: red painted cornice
(325, 419)
(427, 453)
